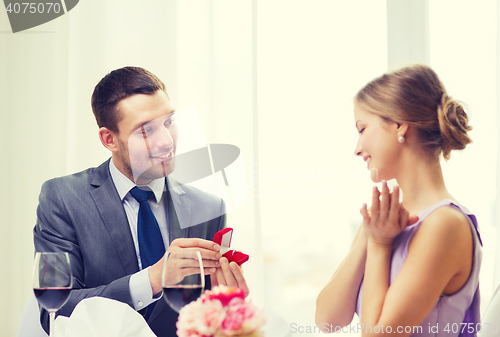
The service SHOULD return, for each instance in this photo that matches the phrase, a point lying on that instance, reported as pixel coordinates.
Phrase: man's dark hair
(117, 85)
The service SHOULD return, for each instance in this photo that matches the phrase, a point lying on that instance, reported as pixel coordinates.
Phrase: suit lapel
(179, 211)
(114, 218)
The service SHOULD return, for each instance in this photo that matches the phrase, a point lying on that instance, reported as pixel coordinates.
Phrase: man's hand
(229, 274)
(183, 261)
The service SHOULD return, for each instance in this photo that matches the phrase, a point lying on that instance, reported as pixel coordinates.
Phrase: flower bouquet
(220, 312)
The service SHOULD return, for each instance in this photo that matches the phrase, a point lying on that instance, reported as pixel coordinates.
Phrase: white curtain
(275, 78)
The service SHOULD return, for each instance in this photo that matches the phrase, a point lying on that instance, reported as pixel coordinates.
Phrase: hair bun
(453, 124)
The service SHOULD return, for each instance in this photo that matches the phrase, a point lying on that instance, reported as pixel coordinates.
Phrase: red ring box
(223, 238)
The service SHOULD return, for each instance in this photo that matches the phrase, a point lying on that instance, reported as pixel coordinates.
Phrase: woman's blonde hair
(415, 96)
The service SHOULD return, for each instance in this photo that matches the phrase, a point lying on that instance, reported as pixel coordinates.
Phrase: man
(97, 217)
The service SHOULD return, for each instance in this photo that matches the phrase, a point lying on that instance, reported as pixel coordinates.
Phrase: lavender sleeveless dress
(450, 310)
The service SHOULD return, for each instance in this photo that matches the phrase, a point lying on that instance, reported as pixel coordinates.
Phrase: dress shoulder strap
(447, 202)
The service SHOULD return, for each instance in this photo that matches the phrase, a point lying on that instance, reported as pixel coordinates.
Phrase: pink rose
(221, 312)
(211, 313)
(224, 294)
(234, 320)
(241, 318)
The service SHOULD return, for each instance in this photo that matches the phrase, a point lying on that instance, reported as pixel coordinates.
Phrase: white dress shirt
(140, 287)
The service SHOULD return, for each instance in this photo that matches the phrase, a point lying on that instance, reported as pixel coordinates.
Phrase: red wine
(52, 298)
(179, 296)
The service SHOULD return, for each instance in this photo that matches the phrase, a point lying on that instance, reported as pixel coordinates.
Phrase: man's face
(147, 137)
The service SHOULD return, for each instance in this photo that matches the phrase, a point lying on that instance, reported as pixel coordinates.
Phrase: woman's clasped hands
(387, 217)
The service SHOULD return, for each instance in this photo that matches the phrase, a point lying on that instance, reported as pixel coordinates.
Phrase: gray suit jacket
(82, 214)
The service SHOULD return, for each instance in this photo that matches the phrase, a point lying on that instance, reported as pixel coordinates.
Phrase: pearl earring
(401, 139)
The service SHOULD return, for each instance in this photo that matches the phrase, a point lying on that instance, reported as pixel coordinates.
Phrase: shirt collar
(124, 184)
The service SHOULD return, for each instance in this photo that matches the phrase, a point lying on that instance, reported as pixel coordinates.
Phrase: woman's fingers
(364, 214)
(375, 209)
(388, 216)
(412, 219)
(384, 201)
(385, 206)
(403, 218)
(394, 209)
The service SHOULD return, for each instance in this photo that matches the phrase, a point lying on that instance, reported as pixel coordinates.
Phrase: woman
(413, 266)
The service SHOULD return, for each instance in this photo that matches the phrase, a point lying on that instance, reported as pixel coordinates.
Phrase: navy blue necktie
(151, 247)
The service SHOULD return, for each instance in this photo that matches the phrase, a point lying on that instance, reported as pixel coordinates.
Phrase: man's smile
(164, 157)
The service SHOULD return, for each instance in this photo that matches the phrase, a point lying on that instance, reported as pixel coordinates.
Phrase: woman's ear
(108, 139)
(402, 129)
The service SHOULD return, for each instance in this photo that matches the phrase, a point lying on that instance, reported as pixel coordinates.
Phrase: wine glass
(187, 290)
(52, 282)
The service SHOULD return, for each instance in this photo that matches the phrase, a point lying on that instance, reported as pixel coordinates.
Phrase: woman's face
(377, 143)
